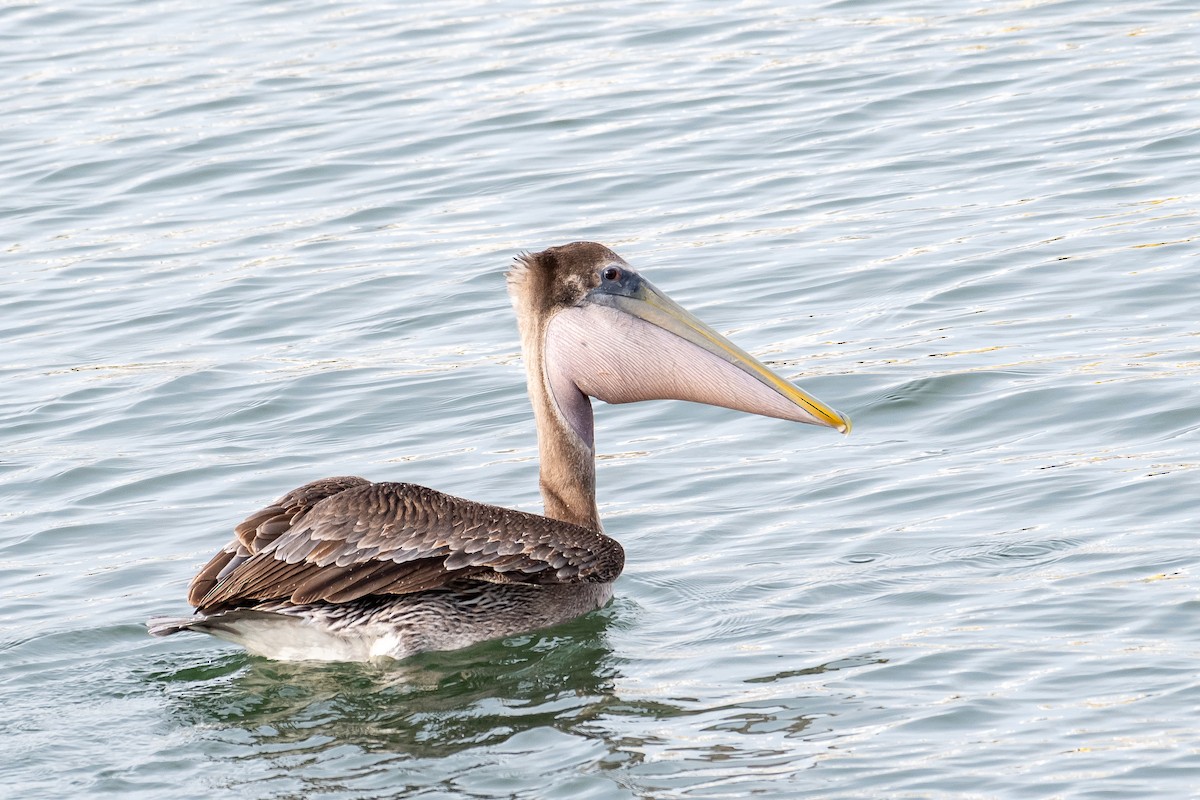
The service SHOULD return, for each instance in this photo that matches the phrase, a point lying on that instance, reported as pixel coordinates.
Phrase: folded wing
(339, 539)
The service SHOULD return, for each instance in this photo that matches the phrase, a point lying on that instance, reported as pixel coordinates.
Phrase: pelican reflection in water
(343, 569)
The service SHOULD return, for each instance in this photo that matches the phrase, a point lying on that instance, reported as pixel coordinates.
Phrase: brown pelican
(343, 569)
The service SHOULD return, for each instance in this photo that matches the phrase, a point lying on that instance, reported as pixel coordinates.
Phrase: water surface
(252, 245)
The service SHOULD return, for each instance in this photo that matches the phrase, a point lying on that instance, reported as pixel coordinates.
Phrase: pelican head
(598, 328)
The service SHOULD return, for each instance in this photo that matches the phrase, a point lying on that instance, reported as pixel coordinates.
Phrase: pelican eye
(612, 274)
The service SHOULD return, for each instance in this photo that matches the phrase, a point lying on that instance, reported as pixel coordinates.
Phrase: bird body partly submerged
(395, 626)
(343, 569)
(419, 570)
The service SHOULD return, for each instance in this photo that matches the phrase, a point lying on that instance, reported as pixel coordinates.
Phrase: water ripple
(248, 245)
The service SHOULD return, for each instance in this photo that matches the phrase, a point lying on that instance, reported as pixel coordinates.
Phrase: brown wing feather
(350, 539)
(263, 527)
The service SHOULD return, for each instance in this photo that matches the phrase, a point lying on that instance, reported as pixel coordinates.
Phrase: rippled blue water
(256, 244)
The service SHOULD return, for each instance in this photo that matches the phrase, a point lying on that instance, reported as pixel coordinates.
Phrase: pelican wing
(343, 538)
